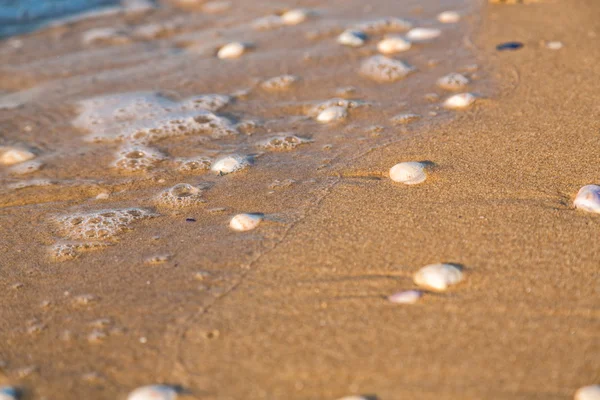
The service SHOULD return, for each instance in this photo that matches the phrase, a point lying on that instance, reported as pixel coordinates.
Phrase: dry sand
(297, 308)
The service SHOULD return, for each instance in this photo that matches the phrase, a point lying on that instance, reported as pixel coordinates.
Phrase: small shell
(458, 101)
(295, 16)
(153, 392)
(393, 44)
(14, 155)
(591, 392)
(409, 173)
(406, 297)
(245, 222)
(438, 276)
(229, 164)
(422, 34)
(554, 45)
(232, 50)
(448, 17)
(9, 393)
(332, 114)
(588, 199)
(352, 38)
(453, 81)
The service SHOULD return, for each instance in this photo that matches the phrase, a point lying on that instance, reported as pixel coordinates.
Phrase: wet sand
(297, 308)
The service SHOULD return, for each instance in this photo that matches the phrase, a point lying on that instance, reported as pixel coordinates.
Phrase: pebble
(9, 393)
(352, 38)
(229, 164)
(458, 101)
(384, 69)
(295, 16)
(453, 81)
(14, 155)
(448, 17)
(393, 44)
(409, 173)
(588, 199)
(245, 222)
(406, 297)
(232, 50)
(591, 392)
(153, 392)
(332, 114)
(510, 46)
(423, 34)
(438, 276)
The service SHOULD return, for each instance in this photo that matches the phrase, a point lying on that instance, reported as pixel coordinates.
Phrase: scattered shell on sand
(295, 16)
(232, 50)
(406, 297)
(393, 44)
(245, 222)
(401, 119)
(332, 114)
(8, 393)
(352, 38)
(554, 45)
(153, 392)
(453, 81)
(14, 155)
(384, 69)
(409, 173)
(438, 276)
(229, 164)
(423, 34)
(458, 101)
(588, 199)
(591, 392)
(448, 17)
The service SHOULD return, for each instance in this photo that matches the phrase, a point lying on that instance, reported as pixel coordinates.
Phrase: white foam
(280, 82)
(180, 195)
(384, 69)
(384, 25)
(137, 158)
(283, 142)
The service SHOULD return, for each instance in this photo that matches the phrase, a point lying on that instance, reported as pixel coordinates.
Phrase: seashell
(588, 199)
(14, 155)
(406, 297)
(591, 392)
(9, 393)
(232, 50)
(458, 101)
(393, 44)
(384, 69)
(409, 173)
(353, 398)
(229, 164)
(245, 222)
(453, 81)
(295, 16)
(352, 38)
(438, 276)
(448, 17)
(332, 114)
(554, 45)
(153, 392)
(423, 34)
(404, 118)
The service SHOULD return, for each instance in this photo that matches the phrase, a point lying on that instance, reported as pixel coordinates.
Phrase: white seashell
(385, 69)
(295, 16)
(554, 45)
(393, 44)
(232, 50)
(453, 81)
(153, 392)
(448, 17)
(588, 199)
(352, 38)
(103, 196)
(438, 276)
(353, 398)
(8, 393)
(591, 392)
(229, 164)
(14, 155)
(409, 173)
(461, 100)
(332, 114)
(406, 297)
(245, 222)
(423, 34)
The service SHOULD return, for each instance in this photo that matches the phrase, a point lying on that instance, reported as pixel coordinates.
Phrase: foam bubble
(267, 23)
(384, 69)
(314, 111)
(69, 250)
(280, 82)
(404, 118)
(105, 35)
(283, 142)
(332, 114)
(136, 158)
(383, 25)
(180, 196)
(453, 81)
(197, 164)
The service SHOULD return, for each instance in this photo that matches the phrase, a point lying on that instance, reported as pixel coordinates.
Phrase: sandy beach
(297, 308)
